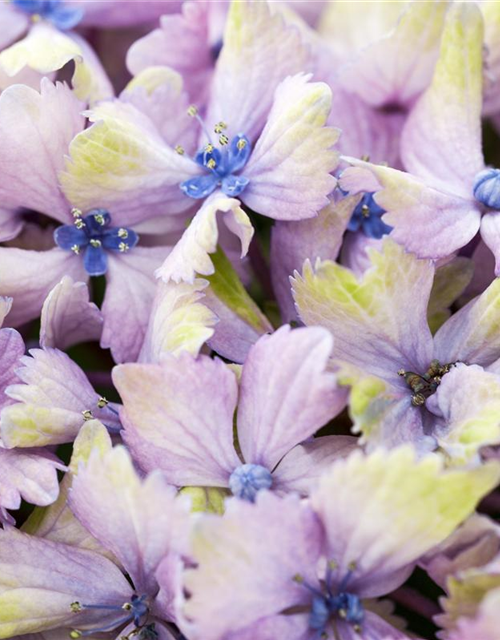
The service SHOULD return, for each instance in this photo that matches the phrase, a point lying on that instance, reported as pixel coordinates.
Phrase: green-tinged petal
(379, 322)
(57, 522)
(422, 502)
(450, 281)
(179, 321)
(152, 78)
(206, 499)
(469, 400)
(44, 49)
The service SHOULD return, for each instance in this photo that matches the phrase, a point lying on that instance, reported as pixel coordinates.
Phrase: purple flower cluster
(249, 320)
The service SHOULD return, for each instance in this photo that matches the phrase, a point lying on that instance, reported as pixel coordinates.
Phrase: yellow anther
(241, 144)
(95, 243)
(76, 607)
(76, 213)
(192, 110)
(220, 126)
(332, 565)
(365, 158)
(79, 223)
(179, 150)
(223, 140)
(75, 634)
(352, 566)
(211, 164)
(365, 211)
(127, 606)
(76, 249)
(102, 402)
(401, 372)
(209, 148)
(87, 415)
(342, 613)
(298, 578)
(99, 218)
(123, 247)
(357, 628)
(122, 233)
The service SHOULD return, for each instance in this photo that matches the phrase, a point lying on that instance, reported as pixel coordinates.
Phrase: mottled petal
(36, 129)
(179, 321)
(484, 625)
(294, 242)
(286, 393)
(28, 276)
(191, 255)
(44, 49)
(121, 163)
(445, 149)
(289, 169)
(68, 317)
(302, 466)
(34, 597)
(172, 422)
(255, 550)
(379, 322)
(50, 402)
(146, 517)
(429, 222)
(130, 290)
(468, 399)
(244, 81)
(450, 282)
(423, 503)
(472, 334)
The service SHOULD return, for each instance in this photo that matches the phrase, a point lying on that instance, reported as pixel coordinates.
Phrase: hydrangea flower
(304, 570)
(412, 383)
(284, 397)
(265, 125)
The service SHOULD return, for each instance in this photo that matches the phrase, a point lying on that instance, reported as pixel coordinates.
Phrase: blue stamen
(136, 610)
(367, 218)
(93, 235)
(487, 188)
(248, 479)
(61, 14)
(220, 165)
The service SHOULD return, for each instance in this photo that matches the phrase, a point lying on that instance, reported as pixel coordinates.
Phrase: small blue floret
(93, 236)
(221, 165)
(62, 15)
(487, 188)
(248, 479)
(367, 217)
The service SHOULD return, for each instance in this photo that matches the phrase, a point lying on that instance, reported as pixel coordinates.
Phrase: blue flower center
(367, 217)
(330, 603)
(221, 163)
(61, 14)
(135, 611)
(487, 188)
(248, 479)
(93, 236)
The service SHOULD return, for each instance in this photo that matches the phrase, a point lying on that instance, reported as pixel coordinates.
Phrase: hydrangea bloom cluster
(249, 320)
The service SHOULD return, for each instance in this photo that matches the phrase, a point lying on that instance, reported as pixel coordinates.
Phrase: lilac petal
(244, 81)
(35, 598)
(191, 255)
(361, 494)
(11, 350)
(446, 151)
(294, 131)
(286, 393)
(373, 627)
(28, 276)
(490, 233)
(50, 401)
(36, 129)
(11, 224)
(471, 334)
(182, 43)
(68, 317)
(429, 222)
(29, 474)
(5, 307)
(303, 465)
(294, 242)
(130, 290)
(233, 556)
(14, 24)
(114, 13)
(189, 436)
(146, 516)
